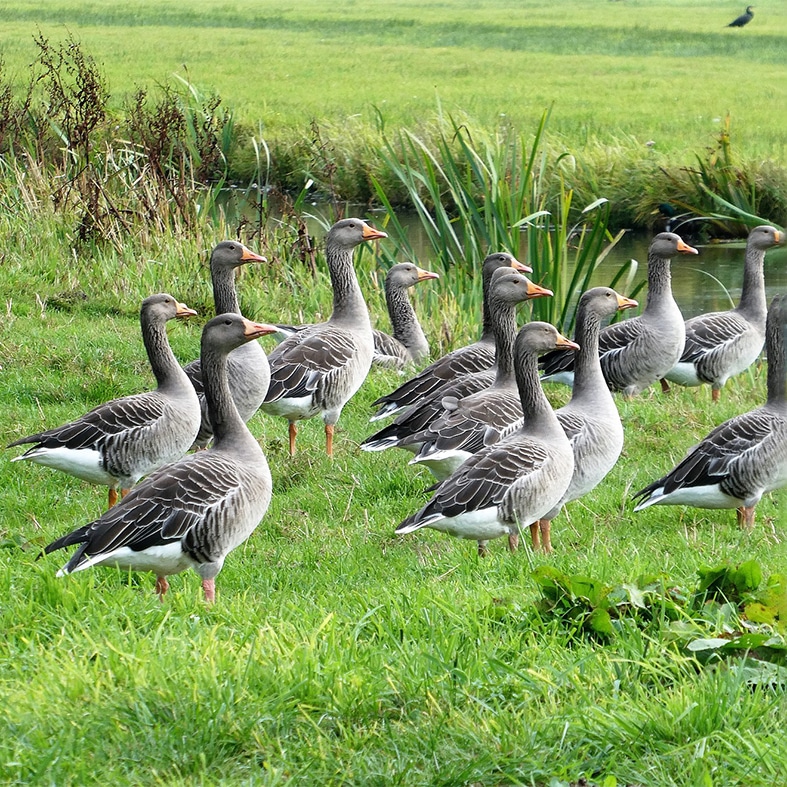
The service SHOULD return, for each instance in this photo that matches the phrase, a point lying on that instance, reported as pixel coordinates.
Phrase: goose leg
(544, 526)
(293, 435)
(124, 492)
(483, 551)
(513, 541)
(714, 394)
(162, 586)
(209, 588)
(745, 517)
(112, 497)
(664, 385)
(329, 439)
(535, 536)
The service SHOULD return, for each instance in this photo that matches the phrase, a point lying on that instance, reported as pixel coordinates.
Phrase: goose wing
(109, 420)
(164, 508)
(482, 481)
(300, 363)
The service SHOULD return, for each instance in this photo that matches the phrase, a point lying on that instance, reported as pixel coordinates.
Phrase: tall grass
(474, 196)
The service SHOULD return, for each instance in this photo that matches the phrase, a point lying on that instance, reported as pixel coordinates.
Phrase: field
(615, 72)
(338, 653)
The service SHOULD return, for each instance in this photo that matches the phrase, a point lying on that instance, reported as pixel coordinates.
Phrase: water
(709, 281)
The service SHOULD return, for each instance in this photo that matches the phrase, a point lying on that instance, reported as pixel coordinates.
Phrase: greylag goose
(408, 343)
(407, 429)
(317, 370)
(120, 441)
(590, 419)
(743, 458)
(192, 513)
(636, 353)
(517, 481)
(247, 366)
(468, 424)
(475, 357)
(720, 345)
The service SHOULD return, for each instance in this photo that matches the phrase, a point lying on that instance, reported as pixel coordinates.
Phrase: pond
(710, 281)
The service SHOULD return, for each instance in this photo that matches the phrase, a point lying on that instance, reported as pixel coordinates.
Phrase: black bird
(743, 19)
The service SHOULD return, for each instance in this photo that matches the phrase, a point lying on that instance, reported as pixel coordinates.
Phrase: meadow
(337, 653)
(629, 84)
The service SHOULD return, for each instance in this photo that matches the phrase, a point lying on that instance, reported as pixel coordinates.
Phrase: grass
(337, 653)
(663, 70)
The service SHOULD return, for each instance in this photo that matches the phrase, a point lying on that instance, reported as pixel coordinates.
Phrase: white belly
(84, 463)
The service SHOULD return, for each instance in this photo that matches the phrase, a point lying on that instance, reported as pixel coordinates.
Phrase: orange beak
(684, 248)
(424, 275)
(250, 256)
(256, 329)
(370, 233)
(521, 267)
(183, 311)
(566, 344)
(537, 291)
(626, 303)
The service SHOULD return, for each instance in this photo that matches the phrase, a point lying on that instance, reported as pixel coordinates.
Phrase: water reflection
(708, 282)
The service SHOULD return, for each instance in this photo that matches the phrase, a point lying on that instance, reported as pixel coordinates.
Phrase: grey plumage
(513, 483)
(637, 352)
(720, 345)
(247, 366)
(408, 343)
(470, 423)
(743, 458)
(590, 419)
(192, 513)
(317, 370)
(120, 441)
(476, 357)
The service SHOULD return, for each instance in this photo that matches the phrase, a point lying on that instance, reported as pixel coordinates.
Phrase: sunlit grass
(337, 653)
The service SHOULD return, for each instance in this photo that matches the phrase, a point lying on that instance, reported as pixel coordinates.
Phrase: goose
(590, 419)
(407, 429)
(194, 512)
(120, 441)
(515, 482)
(743, 458)
(247, 366)
(317, 370)
(408, 343)
(720, 345)
(470, 423)
(637, 352)
(475, 357)
(744, 18)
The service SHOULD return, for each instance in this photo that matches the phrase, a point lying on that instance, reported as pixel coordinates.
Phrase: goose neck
(162, 360)
(753, 303)
(587, 367)
(348, 300)
(222, 412)
(404, 322)
(225, 296)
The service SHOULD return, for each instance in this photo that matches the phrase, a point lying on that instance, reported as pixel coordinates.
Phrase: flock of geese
(477, 418)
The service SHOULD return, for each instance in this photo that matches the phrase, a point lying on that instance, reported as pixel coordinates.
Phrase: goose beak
(626, 303)
(256, 329)
(684, 248)
(424, 275)
(370, 233)
(537, 291)
(250, 256)
(183, 311)
(778, 237)
(565, 344)
(521, 267)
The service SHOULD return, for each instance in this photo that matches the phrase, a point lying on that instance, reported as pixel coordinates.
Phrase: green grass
(667, 70)
(337, 653)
